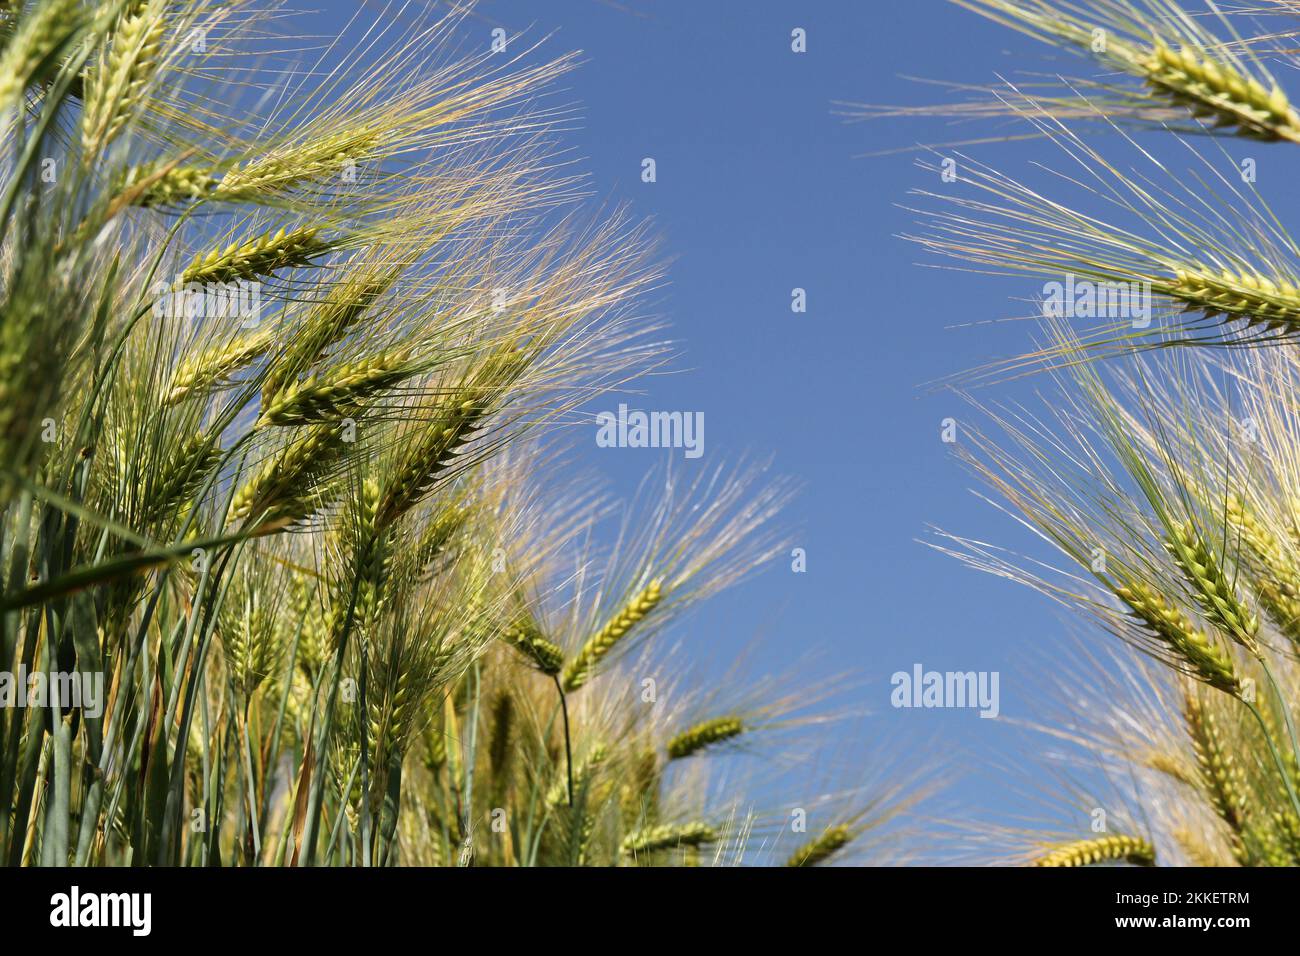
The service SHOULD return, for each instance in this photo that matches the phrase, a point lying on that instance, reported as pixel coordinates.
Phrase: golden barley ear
(598, 646)
(1186, 71)
(1108, 849)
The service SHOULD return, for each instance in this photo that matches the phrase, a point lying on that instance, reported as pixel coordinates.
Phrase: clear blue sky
(761, 188)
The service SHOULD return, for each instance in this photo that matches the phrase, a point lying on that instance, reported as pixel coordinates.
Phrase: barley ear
(259, 257)
(1210, 586)
(1222, 779)
(115, 86)
(823, 847)
(1109, 849)
(702, 735)
(1189, 645)
(527, 638)
(42, 30)
(667, 836)
(584, 664)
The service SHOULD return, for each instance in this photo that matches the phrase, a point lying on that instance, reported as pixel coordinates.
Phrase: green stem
(1277, 758)
(568, 747)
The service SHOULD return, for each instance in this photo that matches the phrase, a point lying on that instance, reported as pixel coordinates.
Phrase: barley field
(311, 324)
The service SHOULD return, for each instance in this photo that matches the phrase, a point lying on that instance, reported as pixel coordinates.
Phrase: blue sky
(761, 188)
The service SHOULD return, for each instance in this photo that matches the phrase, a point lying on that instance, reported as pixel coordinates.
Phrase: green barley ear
(1210, 586)
(305, 616)
(279, 173)
(115, 86)
(1288, 829)
(1271, 302)
(1231, 287)
(369, 553)
(1110, 849)
(1274, 579)
(703, 735)
(1180, 63)
(667, 836)
(438, 535)
(326, 323)
(287, 488)
(1172, 628)
(1214, 89)
(1222, 778)
(150, 185)
(250, 635)
(527, 638)
(597, 648)
(44, 29)
(422, 463)
(338, 392)
(182, 476)
(822, 848)
(214, 365)
(260, 257)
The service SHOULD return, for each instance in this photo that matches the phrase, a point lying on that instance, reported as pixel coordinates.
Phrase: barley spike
(583, 665)
(1110, 849)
